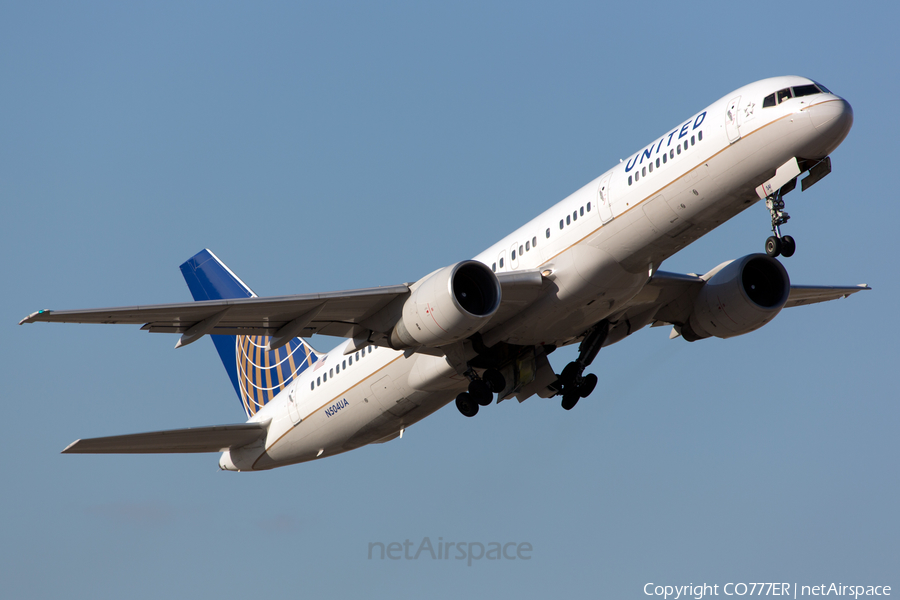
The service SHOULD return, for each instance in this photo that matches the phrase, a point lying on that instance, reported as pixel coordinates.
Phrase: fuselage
(597, 248)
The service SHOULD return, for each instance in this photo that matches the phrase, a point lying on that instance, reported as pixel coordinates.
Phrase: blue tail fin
(257, 375)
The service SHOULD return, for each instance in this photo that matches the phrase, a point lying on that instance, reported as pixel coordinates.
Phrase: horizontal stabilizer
(173, 441)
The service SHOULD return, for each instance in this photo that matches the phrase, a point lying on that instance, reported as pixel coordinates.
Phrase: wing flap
(217, 438)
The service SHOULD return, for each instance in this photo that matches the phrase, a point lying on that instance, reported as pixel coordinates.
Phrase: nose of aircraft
(832, 119)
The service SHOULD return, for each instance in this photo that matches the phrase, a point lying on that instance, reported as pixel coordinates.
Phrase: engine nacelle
(739, 296)
(448, 306)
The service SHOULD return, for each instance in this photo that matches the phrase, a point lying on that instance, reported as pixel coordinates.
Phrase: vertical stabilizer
(257, 375)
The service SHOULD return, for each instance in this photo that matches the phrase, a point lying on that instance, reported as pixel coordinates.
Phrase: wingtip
(33, 316)
(68, 449)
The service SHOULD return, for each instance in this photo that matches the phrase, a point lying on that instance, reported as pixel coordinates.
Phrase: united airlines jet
(586, 271)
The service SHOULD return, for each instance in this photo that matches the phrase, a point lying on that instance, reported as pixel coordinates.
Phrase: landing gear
(481, 391)
(778, 244)
(466, 405)
(572, 385)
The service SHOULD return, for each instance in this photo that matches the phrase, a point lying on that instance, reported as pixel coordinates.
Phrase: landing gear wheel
(773, 246)
(570, 400)
(569, 374)
(588, 385)
(466, 405)
(788, 246)
(495, 380)
(480, 392)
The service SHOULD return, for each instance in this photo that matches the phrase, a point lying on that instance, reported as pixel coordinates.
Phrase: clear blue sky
(328, 146)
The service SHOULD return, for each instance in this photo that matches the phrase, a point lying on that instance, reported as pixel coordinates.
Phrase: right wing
(195, 439)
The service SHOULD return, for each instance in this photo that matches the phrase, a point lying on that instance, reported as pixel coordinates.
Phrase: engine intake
(447, 306)
(738, 297)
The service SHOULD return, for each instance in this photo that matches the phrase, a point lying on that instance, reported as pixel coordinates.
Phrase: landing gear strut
(481, 391)
(572, 384)
(778, 244)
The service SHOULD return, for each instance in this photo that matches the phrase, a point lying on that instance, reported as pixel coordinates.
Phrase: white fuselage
(598, 247)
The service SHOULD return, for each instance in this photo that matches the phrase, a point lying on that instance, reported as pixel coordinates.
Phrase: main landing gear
(572, 384)
(481, 391)
(777, 244)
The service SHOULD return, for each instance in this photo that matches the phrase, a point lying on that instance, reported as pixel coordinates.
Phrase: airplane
(585, 271)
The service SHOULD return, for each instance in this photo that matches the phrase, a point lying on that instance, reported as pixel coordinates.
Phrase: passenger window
(494, 267)
(589, 207)
(679, 148)
(312, 385)
(783, 95)
(513, 255)
(629, 180)
(337, 369)
(769, 101)
(548, 234)
(643, 171)
(692, 140)
(318, 381)
(700, 136)
(685, 144)
(575, 216)
(664, 158)
(671, 154)
(521, 251)
(657, 163)
(527, 246)
(357, 356)
(534, 241)
(324, 377)
(568, 219)
(501, 263)
(344, 364)
(581, 211)
(560, 223)
(350, 361)
(651, 167)
(637, 176)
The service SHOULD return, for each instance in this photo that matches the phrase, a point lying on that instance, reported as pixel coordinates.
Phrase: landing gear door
(731, 120)
(604, 206)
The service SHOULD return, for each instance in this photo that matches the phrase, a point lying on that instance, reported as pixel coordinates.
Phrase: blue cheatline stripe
(246, 363)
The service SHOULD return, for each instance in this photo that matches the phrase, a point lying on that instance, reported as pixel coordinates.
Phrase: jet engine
(447, 306)
(738, 297)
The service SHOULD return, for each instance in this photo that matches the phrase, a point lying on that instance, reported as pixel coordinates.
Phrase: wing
(668, 298)
(196, 439)
(347, 314)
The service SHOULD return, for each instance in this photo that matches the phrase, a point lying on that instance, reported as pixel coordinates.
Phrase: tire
(567, 377)
(588, 385)
(773, 246)
(466, 405)
(570, 400)
(481, 392)
(495, 380)
(788, 246)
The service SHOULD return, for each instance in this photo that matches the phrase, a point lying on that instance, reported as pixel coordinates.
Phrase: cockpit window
(783, 95)
(769, 101)
(805, 90)
(823, 88)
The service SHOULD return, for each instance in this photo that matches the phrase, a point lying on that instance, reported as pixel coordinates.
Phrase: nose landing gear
(778, 244)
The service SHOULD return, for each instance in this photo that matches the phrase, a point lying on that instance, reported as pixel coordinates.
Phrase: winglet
(34, 316)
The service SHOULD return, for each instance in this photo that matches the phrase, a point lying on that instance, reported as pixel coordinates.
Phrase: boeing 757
(586, 271)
